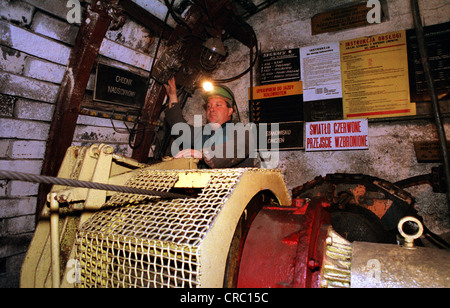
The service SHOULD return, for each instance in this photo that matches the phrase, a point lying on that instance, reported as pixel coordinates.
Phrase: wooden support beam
(150, 114)
(73, 87)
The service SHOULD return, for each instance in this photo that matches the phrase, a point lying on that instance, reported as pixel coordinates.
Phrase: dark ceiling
(247, 8)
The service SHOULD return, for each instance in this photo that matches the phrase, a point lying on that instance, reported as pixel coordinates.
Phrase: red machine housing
(284, 246)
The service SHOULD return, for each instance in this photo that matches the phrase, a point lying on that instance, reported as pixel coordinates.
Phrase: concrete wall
(36, 41)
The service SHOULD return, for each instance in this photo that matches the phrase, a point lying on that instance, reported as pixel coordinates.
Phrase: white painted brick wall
(21, 129)
(36, 45)
(13, 61)
(54, 28)
(95, 134)
(87, 120)
(36, 40)
(28, 88)
(55, 7)
(22, 189)
(125, 54)
(27, 166)
(20, 63)
(3, 188)
(4, 147)
(26, 149)
(16, 11)
(157, 8)
(17, 225)
(132, 35)
(17, 207)
(32, 110)
(22, 149)
(43, 70)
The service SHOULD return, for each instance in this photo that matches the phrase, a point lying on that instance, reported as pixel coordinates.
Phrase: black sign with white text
(282, 136)
(280, 66)
(437, 41)
(117, 86)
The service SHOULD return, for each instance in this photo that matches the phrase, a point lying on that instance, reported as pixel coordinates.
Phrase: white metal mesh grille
(143, 241)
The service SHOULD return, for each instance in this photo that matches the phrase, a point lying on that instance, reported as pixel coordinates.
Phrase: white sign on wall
(337, 135)
(321, 72)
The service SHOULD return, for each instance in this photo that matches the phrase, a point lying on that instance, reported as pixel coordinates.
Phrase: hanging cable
(172, 13)
(248, 69)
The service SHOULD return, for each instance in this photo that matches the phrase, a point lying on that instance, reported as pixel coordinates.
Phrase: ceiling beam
(247, 5)
(262, 6)
(146, 18)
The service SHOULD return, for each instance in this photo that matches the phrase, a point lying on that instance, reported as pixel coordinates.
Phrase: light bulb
(208, 86)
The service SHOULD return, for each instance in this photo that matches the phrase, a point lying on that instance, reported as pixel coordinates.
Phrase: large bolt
(313, 264)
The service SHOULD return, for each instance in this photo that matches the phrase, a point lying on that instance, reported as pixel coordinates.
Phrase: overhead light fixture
(208, 86)
(212, 53)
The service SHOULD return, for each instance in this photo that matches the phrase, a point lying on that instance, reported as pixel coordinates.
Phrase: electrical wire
(435, 239)
(174, 15)
(249, 69)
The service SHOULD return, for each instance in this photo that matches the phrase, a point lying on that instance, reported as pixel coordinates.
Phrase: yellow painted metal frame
(99, 163)
(171, 243)
(96, 163)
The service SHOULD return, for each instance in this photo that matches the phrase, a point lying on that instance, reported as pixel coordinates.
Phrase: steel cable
(28, 177)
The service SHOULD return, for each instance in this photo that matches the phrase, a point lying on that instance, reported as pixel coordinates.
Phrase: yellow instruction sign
(375, 80)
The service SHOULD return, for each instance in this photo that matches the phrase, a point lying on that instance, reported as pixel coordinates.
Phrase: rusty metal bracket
(113, 10)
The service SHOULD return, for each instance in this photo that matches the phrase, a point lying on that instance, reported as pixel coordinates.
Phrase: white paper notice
(321, 72)
(337, 135)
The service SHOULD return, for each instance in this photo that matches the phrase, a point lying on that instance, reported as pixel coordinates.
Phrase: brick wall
(36, 41)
